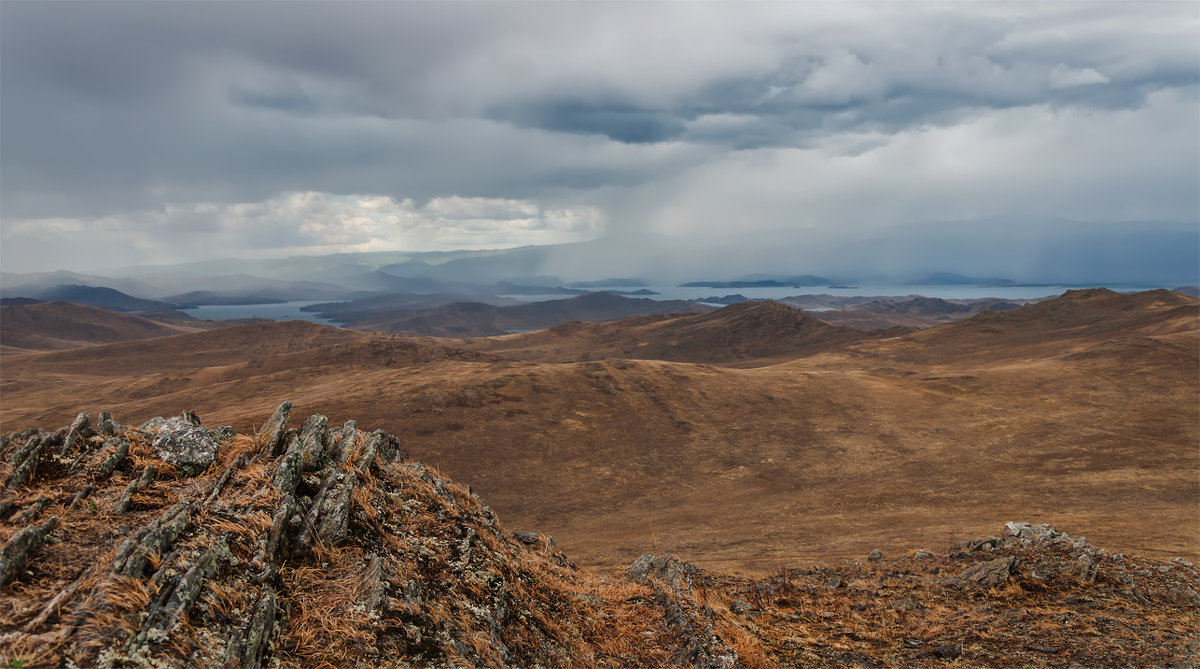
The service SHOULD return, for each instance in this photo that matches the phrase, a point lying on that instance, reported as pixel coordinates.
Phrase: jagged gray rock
(223, 433)
(141, 483)
(987, 574)
(669, 569)
(186, 445)
(344, 445)
(373, 591)
(692, 623)
(288, 471)
(80, 428)
(16, 552)
(120, 446)
(1086, 569)
(385, 447)
(152, 424)
(274, 429)
(25, 461)
(153, 539)
(329, 515)
(977, 544)
(82, 495)
(311, 441)
(107, 425)
(528, 538)
(183, 595)
(238, 463)
(1029, 533)
(258, 634)
(272, 547)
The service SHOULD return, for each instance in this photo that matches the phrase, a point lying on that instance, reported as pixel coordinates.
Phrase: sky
(749, 134)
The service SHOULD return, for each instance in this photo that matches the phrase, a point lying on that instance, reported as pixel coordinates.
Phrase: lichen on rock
(185, 445)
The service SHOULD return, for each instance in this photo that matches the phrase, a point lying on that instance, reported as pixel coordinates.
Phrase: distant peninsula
(789, 282)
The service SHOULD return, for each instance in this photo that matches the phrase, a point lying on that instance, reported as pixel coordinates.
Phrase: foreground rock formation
(172, 544)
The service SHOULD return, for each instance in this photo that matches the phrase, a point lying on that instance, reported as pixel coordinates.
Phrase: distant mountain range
(1067, 253)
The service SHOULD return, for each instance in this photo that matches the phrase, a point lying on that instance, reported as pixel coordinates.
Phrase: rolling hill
(748, 333)
(59, 325)
(474, 319)
(795, 440)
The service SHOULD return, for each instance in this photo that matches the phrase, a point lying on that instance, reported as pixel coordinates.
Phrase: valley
(744, 438)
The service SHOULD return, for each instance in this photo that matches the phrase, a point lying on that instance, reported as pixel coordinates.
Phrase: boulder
(189, 447)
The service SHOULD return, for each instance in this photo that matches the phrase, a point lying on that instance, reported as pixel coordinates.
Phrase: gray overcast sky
(157, 132)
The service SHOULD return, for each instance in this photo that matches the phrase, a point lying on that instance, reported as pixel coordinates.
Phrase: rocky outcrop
(335, 551)
(691, 622)
(1030, 534)
(324, 546)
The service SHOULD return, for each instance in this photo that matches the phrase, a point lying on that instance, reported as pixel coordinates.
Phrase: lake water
(287, 311)
(954, 292)
(283, 311)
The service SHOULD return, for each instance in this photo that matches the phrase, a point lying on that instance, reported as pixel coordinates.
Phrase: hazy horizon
(1024, 141)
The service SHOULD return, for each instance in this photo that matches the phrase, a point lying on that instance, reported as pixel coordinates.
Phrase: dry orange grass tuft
(326, 628)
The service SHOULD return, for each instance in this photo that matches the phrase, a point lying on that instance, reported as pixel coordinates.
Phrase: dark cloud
(652, 113)
(620, 122)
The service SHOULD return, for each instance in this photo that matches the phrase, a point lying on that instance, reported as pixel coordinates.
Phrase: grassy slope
(1081, 411)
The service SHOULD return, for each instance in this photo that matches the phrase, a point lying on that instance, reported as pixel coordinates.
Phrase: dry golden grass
(1089, 426)
(325, 629)
(946, 433)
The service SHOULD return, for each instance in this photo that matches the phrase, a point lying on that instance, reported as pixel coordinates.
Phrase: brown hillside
(173, 545)
(474, 319)
(1070, 323)
(941, 431)
(918, 312)
(60, 325)
(746, 334)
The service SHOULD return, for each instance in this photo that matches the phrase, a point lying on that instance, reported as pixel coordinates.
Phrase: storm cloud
(160, 132)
